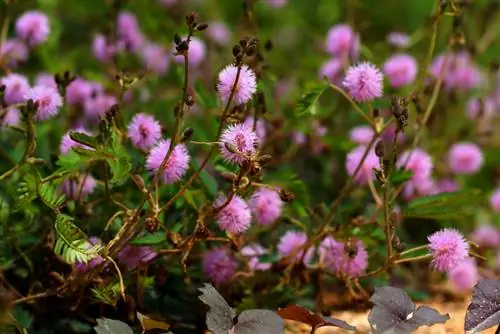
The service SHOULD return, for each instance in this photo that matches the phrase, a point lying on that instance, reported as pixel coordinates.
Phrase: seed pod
(286, 195)
(186, 136)
(177, 39)
(201, 26)
(380, 149)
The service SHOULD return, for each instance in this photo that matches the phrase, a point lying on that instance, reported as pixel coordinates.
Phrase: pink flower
(128, 31)
(45, 79)
(362, 134)
(95, 107)
(275, 3)
(289, 244)
(177, 164)
(47, 99)
(102, 49)
(219, 32)
(16, 86)
(10, 117)
(245, 87)
(447, 186)
(299, 138)
(196, 53)
(460, 73)
(78, 91)
(219, 265)
(144, 131)
(266, 206)
(486, 235)
(242, 139)
(448, 248)
(495, 200)
(235, 217)
(364, 82)
(342, 259)
(480, 108)
(14, 51)
(80, 188)
(465, 158)
(67, 143)
(33, 27)
(260, 128)
(401, 70)
(155, 58)
(365, 173)
(332, 70)
(419, 187)
(253, 252)
(342, 41)
(464, 276)
(398, 39)
(134, 256)
(418, 162)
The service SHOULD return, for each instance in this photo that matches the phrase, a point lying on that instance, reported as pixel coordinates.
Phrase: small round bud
(236, 50)
(177, 39)
(265, 159)
(251, 50)
(376, 112)
(268, 46)
(380, 149)
(243, 43)
(201, 26)
(286, 195)
(58, 79)
(186, 136)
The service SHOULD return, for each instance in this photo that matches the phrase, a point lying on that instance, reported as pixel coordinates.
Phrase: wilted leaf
(220, 316)
(148, 323)
(110, 326)
(484, 309)
(258, 321)
(308, 102)
(300, 314)
(395, 313)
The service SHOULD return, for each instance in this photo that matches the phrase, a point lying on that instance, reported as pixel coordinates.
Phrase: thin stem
(413, 259)
(414, 249)
(354, 104)
(32, 297)
(120, 277)
(387, 221)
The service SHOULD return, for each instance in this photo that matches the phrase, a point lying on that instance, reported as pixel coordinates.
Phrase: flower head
(12, 116)
(464, 276)
(78, 91)
(95, 107)
(361, 135)
(465, 158)
(458, 71)
(260, 128)
(219, 265)
(102, 49)
(239, 137)
(477, 108)
(354, 158)
(219, 32)
(447, 186)
(448, 248)
(33, 27)
(13, 51)
(495, 200)
(144, 131)
(196, 52)
(253, 252)
(134, 256)
(364, 82)
(332, 69)
(418, 162)
(342, 41)
(45, 79)
(266, 206)
(289, 244)
(67, 143)
(342, 259)
(176, 165)
(486, 235)
(16, 86)
(401, 70)
(47, 99)
(155, 58)
(245, 87)
(79, 188)
(128, 30)
(235, 217)
(398, 39)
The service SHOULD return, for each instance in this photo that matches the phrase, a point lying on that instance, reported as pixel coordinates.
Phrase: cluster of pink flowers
(457, 70)
(344, 259)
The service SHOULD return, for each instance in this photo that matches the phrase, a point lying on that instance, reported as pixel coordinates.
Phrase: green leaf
(84, 139)
(150, 239)
(399, 176)
(108, 294)
(308, 102)
(71, 243)
(22, 317)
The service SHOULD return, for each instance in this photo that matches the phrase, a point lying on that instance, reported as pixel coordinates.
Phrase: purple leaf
(258, 321)
(484, 310)
(395, 313)
(220, 316)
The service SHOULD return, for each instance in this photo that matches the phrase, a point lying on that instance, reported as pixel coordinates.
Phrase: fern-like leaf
(108, 294)
(71, 243)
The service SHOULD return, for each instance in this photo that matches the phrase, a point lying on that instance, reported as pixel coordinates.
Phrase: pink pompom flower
(448, 248)
(260, 128)
(219, 32)
(177, 164)
(144, 131)
(447, 186)
(344, 259)
(291, 242)
(242, 139)
(80, 188)
(196, 52)
(364, 82)
(13, 51)
(155, 58)
(464, 276)
(332, 70)
(128, 31)
(253, 252)
(365, 173)
(102, 49)
(486, 235)
(266, 206)
(342, 41)
(477, 108)
(398, 39)
(10, 117)
(96, 106)
(401, 70)
(418, 162)
(460, 73)
(33, 27)
(362, 134)
(47, 99)
(219, 265)
(465, 158)
(495, 200)
(135, 256)
(78, 91)
(16, 86)
(245, 87)
(235, 217)
(45, 79)
(67, 143)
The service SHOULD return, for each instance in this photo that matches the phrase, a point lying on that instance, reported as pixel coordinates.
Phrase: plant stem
(414, 249)
(412, 259)
(354, 104)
